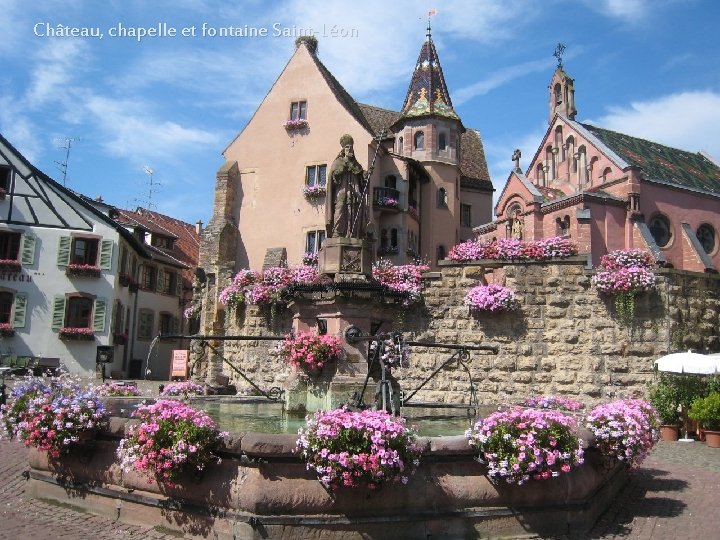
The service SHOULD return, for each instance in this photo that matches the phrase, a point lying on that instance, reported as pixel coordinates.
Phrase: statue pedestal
(348, 259)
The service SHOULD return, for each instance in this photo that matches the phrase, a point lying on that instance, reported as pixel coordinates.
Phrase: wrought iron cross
(559, 50)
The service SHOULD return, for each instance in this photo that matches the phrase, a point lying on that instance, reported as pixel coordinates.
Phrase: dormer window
(162, 242)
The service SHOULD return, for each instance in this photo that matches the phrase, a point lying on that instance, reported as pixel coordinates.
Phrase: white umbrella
(689, 362)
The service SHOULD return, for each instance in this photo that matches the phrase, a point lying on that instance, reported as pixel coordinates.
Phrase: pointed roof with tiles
(428, 94)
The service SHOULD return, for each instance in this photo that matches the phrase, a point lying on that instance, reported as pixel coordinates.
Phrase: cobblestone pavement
(674, 495)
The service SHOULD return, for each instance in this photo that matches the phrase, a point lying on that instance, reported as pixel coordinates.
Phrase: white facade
(69, 271)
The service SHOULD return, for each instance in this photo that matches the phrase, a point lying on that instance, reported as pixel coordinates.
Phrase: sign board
(179, 366)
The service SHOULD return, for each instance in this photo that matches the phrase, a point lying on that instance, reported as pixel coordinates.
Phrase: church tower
(562, 90)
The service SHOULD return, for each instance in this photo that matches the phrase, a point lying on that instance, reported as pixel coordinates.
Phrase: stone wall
(565, 339)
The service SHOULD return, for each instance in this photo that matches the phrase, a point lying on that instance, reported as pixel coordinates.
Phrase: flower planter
(712, 439)
(669, 433)
(76, 334)
(7, 332)
(82, 271)
(10, 266)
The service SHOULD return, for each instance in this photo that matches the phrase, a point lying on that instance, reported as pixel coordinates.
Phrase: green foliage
(706, 411)
(665, 396)
(625, 305)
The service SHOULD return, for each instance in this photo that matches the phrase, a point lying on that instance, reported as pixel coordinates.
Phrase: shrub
(404, 278)
(353, 449)
(512, 249)
(707, 411)
(171, 437)
(519, 444)
(625, 429)
(667, 395)
(310, 352)
(623, 274)
(491, 298)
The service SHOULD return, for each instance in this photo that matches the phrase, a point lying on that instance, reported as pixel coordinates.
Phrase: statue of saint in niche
(345, 207)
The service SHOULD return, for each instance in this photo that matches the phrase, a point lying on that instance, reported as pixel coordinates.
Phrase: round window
(706, 236)
(660, 229)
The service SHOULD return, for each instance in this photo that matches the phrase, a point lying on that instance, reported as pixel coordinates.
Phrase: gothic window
(660, 229)
(442, 141)
(550, 162)
(591, 169)
(706, 235)
(557, 91)
(442, 198)
(582, 166)
(419, 140)
(540, 174)
(570, 144)
(559, 144)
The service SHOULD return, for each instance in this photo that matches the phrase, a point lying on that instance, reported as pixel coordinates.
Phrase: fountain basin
(262, 490)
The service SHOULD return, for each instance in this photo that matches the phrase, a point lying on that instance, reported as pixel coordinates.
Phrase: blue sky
(650, 68)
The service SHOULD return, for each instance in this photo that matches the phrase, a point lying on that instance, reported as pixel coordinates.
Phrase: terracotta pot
(668, 433)
(712, 438)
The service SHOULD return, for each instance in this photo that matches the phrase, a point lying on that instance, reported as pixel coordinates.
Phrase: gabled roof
(187, 242)
(78, 198)
(428, 93)
(661, 163)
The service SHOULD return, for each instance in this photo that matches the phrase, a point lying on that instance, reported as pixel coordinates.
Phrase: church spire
(562, 89)
(428, 93)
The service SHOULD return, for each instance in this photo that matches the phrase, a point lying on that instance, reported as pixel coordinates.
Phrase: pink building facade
(429, 188)
(609, 191)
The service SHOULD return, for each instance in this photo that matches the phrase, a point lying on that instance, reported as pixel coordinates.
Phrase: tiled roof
(378, 118)
(551, 194)
(428, 93)
(187, 243)
(662, 163)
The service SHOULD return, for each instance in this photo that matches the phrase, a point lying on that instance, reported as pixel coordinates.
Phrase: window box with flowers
(310, 352)
(76, 334)
(387, 202)
(6, 330)
(312, 193)
(10, 265)
(295, 124)
(82, 270)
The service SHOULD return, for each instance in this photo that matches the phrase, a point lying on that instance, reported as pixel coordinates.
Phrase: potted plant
(706, 411)
(665, 396)
(311, 352)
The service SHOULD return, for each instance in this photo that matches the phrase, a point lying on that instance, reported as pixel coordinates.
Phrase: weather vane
(559, 50)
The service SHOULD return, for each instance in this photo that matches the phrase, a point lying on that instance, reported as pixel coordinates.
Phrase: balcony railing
(384, 197)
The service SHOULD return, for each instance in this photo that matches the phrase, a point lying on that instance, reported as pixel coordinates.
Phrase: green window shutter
(106, 253)
(64, 247)
(27, 256)
(19, 310)
(99, 315)
(178, 284)
(58, 317)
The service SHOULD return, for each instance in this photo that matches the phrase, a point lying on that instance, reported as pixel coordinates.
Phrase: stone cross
(516, 157)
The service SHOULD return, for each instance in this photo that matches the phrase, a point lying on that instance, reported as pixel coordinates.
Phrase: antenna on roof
(66, 144)
(152, 189)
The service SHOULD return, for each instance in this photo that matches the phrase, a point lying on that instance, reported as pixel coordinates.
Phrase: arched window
(706, 235)
(400, 148)
(442, 198)
(607, 171)
(550, 162)
(419, 140)
(442, 141)
(559, 144)
(540, 174)
(562, 226)
(659, 227)
(571, 153)
(582, 166)
(591, 169)
(557, 92)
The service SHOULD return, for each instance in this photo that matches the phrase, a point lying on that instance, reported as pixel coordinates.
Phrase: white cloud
(18, 129)
(627, 10)
(129, 131)
(688, 120)
(58, 63)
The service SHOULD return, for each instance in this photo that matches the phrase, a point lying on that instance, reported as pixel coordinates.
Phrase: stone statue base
(347, 259)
